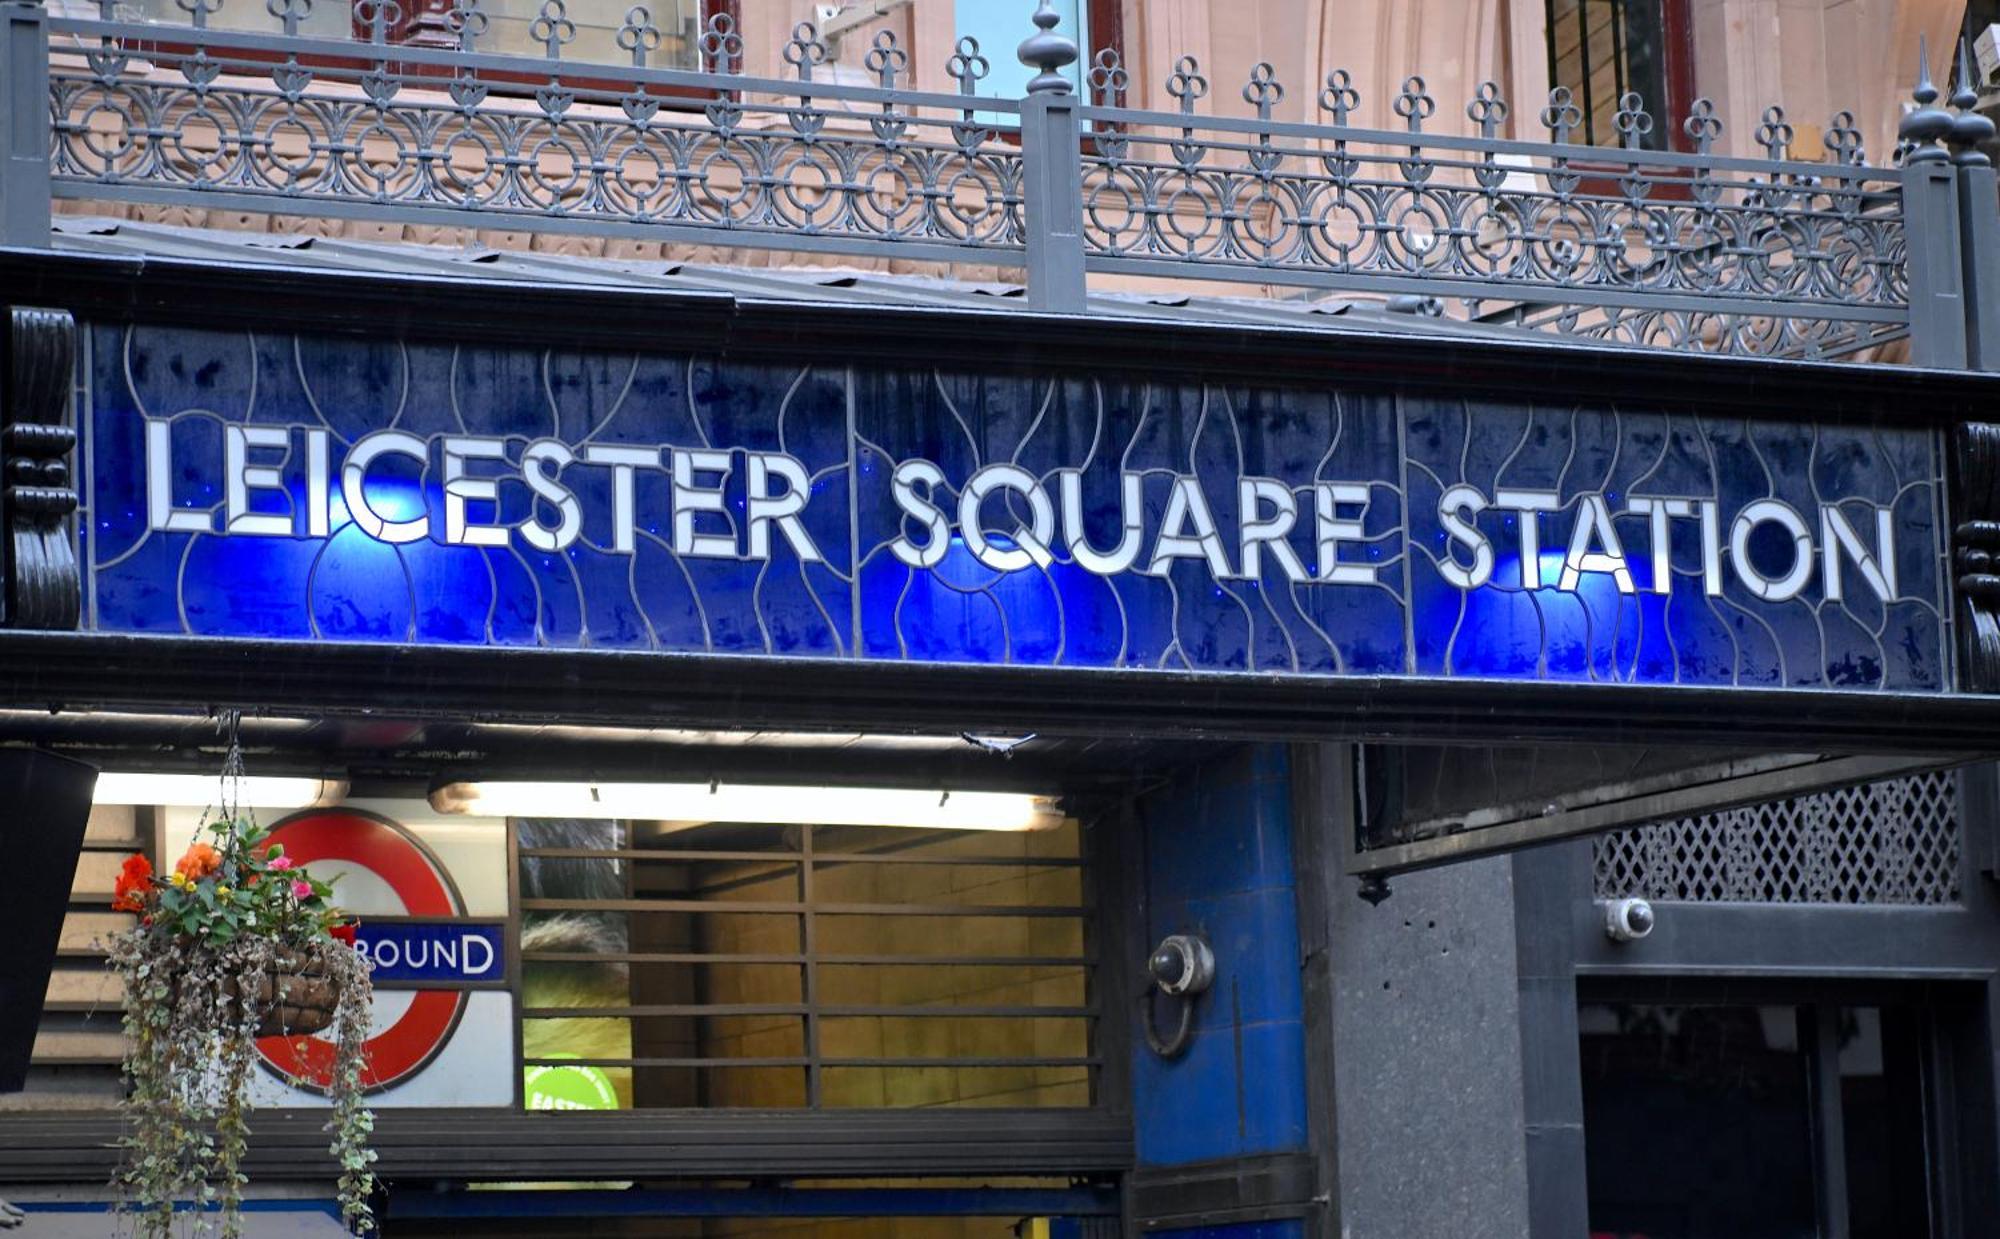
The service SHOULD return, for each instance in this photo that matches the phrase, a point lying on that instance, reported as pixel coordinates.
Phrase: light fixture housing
(780, 804)
(204, 790)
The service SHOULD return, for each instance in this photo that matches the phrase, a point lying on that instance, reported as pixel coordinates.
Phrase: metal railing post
(1978, 219)
(1979, 226)
(1052, 171)
(1936, 268)
(24, 93)
(1931, 230)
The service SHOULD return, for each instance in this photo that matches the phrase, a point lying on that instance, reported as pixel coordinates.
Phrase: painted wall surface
(272, 486)
(1218, 861)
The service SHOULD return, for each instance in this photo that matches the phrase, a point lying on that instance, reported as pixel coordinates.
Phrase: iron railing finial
(1970, 129)
(1049, 52)
(1923, 127)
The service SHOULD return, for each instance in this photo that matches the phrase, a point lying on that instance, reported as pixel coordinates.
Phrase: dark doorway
(1780, 1119)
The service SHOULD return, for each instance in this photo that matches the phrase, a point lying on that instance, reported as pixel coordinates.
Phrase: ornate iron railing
(1688, 249)
(283, 123)
(1413, 212)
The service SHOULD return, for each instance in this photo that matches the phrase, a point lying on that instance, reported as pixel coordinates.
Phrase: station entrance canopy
(793, 529)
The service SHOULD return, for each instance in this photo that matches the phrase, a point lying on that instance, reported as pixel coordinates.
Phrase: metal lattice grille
(1893, 842)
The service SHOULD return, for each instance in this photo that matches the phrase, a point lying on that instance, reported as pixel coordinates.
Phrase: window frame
(423, 26)
(1106, 32)
(1677, 70)
(414, 31)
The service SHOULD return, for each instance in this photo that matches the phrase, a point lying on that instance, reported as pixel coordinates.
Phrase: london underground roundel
(401, 880)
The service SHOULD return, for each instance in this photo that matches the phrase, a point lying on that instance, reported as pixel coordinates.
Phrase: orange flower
(201, 861)
(135, 878)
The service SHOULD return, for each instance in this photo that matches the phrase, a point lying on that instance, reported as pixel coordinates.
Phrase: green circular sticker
(551, 1087)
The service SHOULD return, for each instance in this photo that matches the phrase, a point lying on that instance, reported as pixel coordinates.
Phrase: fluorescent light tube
(205, 790)
(753, 802)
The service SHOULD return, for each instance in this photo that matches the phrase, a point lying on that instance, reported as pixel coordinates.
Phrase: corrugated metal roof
(802, 285)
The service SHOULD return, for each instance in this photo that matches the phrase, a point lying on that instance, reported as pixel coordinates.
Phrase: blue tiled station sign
(278, 486)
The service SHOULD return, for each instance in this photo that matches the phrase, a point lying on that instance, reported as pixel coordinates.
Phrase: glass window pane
(597, 23)
(509, 31)
(1603, 49)
(1697, 1122)
(1000, 28)
(325, 21)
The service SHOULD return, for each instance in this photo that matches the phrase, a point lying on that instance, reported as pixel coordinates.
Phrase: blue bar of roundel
(432, 951)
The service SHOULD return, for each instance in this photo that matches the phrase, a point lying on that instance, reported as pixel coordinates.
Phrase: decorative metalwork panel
(1736, 333)
(270, 485)
(1681, 248)
(296, 124)
(1893, 842)
(1548, 220)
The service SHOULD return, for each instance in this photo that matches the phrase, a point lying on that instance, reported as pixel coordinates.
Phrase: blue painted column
(1217, 860)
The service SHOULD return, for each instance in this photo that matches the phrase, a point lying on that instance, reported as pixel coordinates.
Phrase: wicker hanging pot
(297, 1000)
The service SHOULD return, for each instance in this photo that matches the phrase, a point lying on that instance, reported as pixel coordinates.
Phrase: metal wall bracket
(1975, 558)
(1236, 1190)
(38, 491)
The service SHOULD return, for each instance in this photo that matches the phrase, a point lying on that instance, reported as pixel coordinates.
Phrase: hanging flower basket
(237, 944)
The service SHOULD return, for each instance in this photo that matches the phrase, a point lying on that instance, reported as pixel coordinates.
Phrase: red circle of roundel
(399, 1050)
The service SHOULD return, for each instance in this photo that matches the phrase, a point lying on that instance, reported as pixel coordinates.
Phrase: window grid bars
(808, 858)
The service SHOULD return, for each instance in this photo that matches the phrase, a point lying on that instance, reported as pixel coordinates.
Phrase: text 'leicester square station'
(1000, 619)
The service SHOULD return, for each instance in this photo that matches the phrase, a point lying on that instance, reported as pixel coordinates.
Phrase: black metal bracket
(38, 495)
(1218, 1193)
(1975, 559)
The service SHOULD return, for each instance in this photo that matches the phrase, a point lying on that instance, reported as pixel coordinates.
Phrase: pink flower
(278, 864)
(301, 890)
